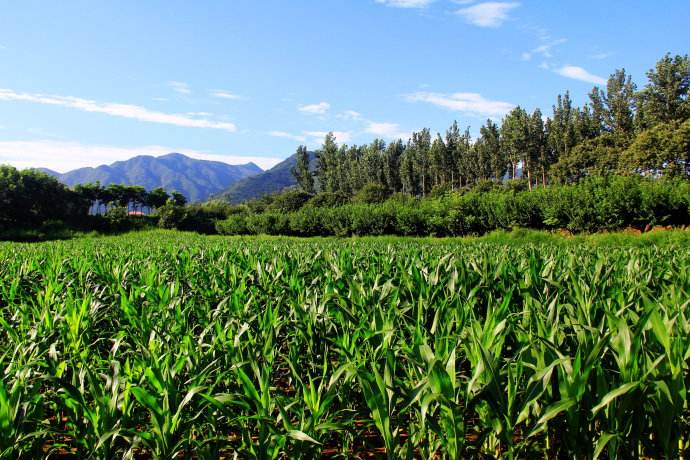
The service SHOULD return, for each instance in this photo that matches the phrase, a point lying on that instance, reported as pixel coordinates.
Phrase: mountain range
(272, 180)
(196, 179)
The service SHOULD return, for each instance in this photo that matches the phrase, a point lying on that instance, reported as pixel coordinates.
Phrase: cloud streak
(543, 50)
(578, 73)
(130, 111)
(64, 156)
(219, 93)
(488, 14)
(286, 135)
(180, 87)
(315, 109)
(469, 103)
(386, 130)
(406, 3)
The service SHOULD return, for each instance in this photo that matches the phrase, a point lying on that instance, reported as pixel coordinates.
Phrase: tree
(301, 170)
(438, 155)
(536, 156)
(561, 127)
(666, 96)
(157, 197)
(452, 142)
(327, 164)
(615, 108)
(661, 150)
(392, 155)
(490, 142)
(515, 137)
(420, 146)
(178, 199)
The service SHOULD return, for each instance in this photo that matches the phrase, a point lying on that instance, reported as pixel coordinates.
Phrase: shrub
(371, 193)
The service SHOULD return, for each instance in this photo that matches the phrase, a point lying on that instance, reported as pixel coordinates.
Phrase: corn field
(170, 345)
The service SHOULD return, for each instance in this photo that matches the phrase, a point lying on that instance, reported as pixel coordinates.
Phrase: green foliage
(595, 204)
(516, 345)
(327, 200)
(288, 200)
(371, 193)
(29, 198)
(663, 149)
(170, 215)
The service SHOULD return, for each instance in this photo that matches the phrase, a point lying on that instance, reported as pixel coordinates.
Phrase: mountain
(270, 181)
(196, 179)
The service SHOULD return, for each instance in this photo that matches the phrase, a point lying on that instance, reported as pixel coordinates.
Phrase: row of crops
(178, 346)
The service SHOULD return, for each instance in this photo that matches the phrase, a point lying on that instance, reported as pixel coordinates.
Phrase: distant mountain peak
(272, 180)
(195, 179)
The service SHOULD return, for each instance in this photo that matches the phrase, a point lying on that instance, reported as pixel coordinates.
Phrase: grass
(173, 345)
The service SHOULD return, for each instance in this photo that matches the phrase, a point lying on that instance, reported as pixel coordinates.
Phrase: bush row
(598, 203)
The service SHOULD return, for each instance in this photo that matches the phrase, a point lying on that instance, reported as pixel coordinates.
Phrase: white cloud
(386, 130)
(316, 109)
(65, 156)
(286, 135)
(471, 103)
(180, 87)
(342, 137)
(406, 3)
(578, 73)
(134, 112)
(543, 50)
(224, 94)
(349, 115)
(488, 14)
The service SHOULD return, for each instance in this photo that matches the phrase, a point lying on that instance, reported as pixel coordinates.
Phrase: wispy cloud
(387, 130)
(316, 109)
(180, 87)
(65, 156)
(470, 103)
(543, 50)
(130, 111)
(286, 135)
(488, 14)
(349, 115)
(406, 3)
(224, 94)
(578, 73)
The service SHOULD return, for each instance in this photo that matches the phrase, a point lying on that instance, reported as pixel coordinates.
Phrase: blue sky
(84, 83)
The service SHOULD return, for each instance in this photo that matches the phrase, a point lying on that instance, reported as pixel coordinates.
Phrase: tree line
(621, 130)
(29, 198)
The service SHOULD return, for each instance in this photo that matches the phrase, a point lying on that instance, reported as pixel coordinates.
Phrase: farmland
(172, 345)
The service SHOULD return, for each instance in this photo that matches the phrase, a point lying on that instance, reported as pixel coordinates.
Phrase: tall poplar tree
(301, 170)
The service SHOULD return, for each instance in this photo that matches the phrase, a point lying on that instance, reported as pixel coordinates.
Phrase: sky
(84, 83)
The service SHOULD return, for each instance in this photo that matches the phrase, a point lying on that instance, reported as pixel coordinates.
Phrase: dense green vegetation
(593, 204)
(621, 160)
(176, 345)
(35, 206)
(620, 131)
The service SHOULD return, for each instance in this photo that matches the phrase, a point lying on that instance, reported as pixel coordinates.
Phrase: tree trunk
(529, 179)
(543, 176)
